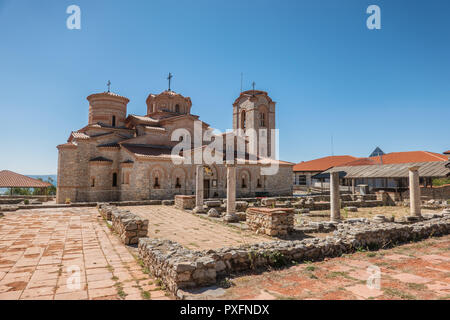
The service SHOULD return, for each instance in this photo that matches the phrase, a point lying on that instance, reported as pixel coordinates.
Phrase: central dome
(168, 102)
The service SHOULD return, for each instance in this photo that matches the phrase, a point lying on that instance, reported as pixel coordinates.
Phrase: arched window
(178, 184)
(243, 119)
(114, 182)
(113, 121)
(258, 185)
(244, 185)
(92, 182)
(156, 184)
(177, 108)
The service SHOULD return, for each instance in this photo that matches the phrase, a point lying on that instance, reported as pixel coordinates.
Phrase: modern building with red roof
(304, 171)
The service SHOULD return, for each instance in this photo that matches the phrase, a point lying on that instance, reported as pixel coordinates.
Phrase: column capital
(414, 168)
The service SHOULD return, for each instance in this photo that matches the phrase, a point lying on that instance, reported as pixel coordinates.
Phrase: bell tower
(254, 109)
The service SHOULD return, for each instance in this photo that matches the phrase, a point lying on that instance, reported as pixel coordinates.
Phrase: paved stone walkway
(418, 270)
(195, 232)
(67, 254)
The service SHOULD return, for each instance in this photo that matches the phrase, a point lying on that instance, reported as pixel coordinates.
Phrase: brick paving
(44, 252)
(195, 232)
(418, 270)
(40, 250)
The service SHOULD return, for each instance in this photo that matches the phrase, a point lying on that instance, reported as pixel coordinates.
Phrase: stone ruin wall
(180, 268)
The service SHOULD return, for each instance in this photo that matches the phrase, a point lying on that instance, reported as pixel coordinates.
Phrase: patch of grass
(417, 286)
(313, 276)
(371, 254)
(158, 282)
(226, 283)
(286, 298)
(145, 295)
(114, 278)
(336, 274)
(310, 268)
(194, 244)
(157, 231)
(398, 293)
(141, 262)
(120, 291)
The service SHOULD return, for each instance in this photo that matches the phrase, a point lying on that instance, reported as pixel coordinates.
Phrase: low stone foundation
(273, 222)
(181, 268)
(130, 227)
(184, 202)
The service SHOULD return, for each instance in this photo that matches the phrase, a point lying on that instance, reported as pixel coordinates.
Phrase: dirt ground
(412, 271)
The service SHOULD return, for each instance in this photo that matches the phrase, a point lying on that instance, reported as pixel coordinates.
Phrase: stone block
(213, 213)
(213, 203)
(184, 202)
(273, 222)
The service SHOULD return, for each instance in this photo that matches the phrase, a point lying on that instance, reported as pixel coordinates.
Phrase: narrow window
(243, 183)
(93, 182)
(177, 108)
(243, 120)
(113, 121)
(156, 184)
(262, 119)
(259, 183)
(178, 185)
(114, 183)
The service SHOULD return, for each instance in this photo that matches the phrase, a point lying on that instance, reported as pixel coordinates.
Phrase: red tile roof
(326, 163)
(447, 152)
(323, 164)
(9, 179)
(408, 157)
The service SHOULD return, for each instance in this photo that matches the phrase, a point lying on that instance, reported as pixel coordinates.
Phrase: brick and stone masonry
(120, 157)
(184, 202)
(272, 222)
(129, 227)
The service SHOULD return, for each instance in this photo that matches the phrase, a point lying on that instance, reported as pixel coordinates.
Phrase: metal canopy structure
(438, 169)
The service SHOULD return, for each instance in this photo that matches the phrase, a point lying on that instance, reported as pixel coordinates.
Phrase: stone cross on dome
(109, 85)
(170, 79)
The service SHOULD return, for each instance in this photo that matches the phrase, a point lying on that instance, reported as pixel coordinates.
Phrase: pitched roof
(430, 169)
(149, 151)
(9, 179)
(447, 152)
(323, 164)
(377, 152)
(409, 157)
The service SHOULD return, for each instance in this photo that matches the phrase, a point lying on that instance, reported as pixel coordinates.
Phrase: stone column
(334, 197)
(199, 190)
(353, 186)
(414, 192)
(231, 216)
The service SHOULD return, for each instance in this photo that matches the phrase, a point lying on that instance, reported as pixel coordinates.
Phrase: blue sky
(328, 73)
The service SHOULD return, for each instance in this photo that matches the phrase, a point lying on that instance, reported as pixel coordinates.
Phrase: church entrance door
(205, 189)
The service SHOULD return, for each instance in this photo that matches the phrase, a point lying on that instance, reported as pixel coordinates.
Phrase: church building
(121, 157)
